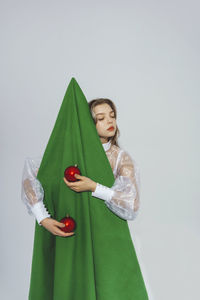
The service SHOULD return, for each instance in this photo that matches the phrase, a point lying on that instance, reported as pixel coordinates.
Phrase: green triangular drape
(98, 262)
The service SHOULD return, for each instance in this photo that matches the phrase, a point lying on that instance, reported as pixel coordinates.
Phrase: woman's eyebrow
(104, 113)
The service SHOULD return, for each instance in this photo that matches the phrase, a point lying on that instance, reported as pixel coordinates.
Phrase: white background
(144, 55)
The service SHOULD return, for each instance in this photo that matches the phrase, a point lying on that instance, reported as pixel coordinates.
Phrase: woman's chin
(111, 134)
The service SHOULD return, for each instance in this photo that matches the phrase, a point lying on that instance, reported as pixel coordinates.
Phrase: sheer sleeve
(123, 197)
(32, 192)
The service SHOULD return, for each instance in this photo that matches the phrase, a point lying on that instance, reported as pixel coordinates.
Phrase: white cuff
(40, 212)
(103, 192)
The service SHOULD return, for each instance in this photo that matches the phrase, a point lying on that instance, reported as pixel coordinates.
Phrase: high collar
(107, 145)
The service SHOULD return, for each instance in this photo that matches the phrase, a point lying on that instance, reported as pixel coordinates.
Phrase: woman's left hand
(84, 184)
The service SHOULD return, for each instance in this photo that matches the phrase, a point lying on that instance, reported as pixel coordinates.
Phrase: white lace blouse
(123, 198)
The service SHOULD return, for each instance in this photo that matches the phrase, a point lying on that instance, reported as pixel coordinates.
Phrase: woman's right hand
(53, 226)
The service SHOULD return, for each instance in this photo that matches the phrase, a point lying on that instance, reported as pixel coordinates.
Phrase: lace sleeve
(32, 192)
(123, 197)
(126, 196)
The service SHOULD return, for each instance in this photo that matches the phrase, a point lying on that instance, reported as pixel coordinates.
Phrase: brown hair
(98, 101)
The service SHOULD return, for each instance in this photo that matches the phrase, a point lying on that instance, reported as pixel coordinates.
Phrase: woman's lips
(111, 128)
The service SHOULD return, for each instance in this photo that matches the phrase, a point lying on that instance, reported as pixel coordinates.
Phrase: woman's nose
(110, 123)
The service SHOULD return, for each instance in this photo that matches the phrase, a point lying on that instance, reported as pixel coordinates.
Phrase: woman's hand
(84, 184)
(53, 226)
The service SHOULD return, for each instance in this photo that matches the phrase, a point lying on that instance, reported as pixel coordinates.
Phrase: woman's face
(105, 119)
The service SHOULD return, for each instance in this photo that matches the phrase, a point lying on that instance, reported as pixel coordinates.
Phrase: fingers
(59, 224)
(59, 232)
(70, 184)
(53, 225)
(73, 185)
(66, 181)
(78, 176)
(63, 234)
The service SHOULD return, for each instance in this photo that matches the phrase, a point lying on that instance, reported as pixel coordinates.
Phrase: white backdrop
(144, 55)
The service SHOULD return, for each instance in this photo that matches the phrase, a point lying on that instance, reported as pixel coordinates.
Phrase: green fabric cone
(98, 262)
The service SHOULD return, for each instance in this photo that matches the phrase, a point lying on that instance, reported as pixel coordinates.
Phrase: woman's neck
(103, 140)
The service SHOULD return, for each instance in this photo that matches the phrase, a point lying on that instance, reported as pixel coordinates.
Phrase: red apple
(70, 224)
(70, 172)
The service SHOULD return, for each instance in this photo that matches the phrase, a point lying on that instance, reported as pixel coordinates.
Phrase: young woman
(98, 260)
(122, 198)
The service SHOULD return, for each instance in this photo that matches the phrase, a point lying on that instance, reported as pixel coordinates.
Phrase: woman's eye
(103, 118)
